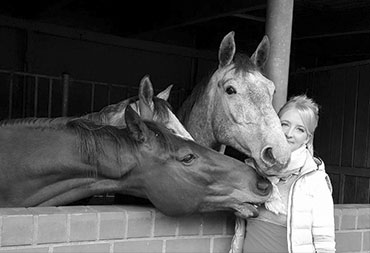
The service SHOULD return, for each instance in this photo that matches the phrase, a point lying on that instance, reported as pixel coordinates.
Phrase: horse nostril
(268, 156)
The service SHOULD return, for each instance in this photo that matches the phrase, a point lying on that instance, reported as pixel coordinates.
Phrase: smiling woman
(299, 125)
(306, 221)
(294, 129)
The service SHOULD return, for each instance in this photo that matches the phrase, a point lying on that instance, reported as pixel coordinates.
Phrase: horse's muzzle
(264, 186)
(268, 157)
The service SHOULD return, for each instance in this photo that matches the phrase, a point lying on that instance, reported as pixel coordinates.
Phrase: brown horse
(234, 108)
(47, 162)
(149, 107)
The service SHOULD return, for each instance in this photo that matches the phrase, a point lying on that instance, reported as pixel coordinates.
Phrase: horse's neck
(199, 123)
(115, 163)
(83, 176)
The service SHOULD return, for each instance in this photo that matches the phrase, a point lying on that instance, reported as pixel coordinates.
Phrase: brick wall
(140, 229)
(352, 225)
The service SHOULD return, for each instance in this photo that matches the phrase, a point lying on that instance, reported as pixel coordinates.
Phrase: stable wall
(343, 135)
(133, 229)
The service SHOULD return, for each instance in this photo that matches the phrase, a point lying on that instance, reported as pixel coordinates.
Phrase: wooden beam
(333, 34)
(105, 39)
(205, 18)
(331, 24)
(249, 17)
(53, 7)
(350, 171)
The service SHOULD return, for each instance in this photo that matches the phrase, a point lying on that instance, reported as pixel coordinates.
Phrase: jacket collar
(309, 165)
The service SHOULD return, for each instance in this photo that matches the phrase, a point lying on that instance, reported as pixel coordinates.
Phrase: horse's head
(163, 114)
(243, 115)
(181, 177)
(147, 105)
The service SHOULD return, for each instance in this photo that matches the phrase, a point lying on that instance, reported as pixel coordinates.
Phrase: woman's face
(294, 129)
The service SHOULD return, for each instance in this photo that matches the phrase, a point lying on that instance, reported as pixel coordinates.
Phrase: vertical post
(50, 97)
(194, 72)
(36, 97)
(65, 81)
(11, 84)
(279, 16)
(92, 99)
(109, 91)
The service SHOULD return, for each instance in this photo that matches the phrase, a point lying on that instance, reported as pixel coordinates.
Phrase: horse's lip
(247, 210)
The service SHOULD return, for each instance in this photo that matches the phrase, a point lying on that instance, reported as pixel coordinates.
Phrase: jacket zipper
(289, 228)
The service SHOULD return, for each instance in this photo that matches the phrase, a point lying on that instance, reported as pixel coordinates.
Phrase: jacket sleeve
(323, 228)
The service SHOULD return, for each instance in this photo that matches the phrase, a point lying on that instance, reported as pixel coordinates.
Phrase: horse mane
(161, 108)
(92, 135)
(196, 94)
(243, 63)
(36, 122)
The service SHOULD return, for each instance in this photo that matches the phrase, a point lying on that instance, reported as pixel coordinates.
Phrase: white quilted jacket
(311, 211)
(310, 214)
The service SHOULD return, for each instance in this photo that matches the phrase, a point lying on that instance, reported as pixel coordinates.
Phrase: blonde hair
(308, 109)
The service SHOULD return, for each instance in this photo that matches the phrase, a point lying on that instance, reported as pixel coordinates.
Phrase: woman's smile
(294, 129)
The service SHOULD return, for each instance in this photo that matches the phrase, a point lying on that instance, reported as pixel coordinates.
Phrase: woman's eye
(188, 159)
(230, 90)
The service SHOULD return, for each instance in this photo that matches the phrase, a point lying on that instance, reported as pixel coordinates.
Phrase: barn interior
(177, 41)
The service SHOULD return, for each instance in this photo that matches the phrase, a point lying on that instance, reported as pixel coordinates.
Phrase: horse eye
(230, 90)
(188, 159)
(171, 130)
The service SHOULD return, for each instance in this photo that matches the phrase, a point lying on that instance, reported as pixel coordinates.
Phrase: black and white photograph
(185, 126)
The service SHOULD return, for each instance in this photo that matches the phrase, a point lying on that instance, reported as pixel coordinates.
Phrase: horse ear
(136, 127)
(260, 56)
(166, 93)
(227, 50)
(146, 98)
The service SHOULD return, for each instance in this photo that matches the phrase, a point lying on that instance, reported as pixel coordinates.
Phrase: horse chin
(263, 171)
(247, 210)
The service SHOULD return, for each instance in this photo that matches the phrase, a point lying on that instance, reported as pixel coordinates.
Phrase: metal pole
(279, 16)
(11, 84)
(65, 81)
(36, 97)
(50, 97)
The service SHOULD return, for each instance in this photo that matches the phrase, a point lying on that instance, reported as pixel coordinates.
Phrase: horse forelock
(110, 114)
(164, 137)
(161, 109)
(119, 106)
(243, 63)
